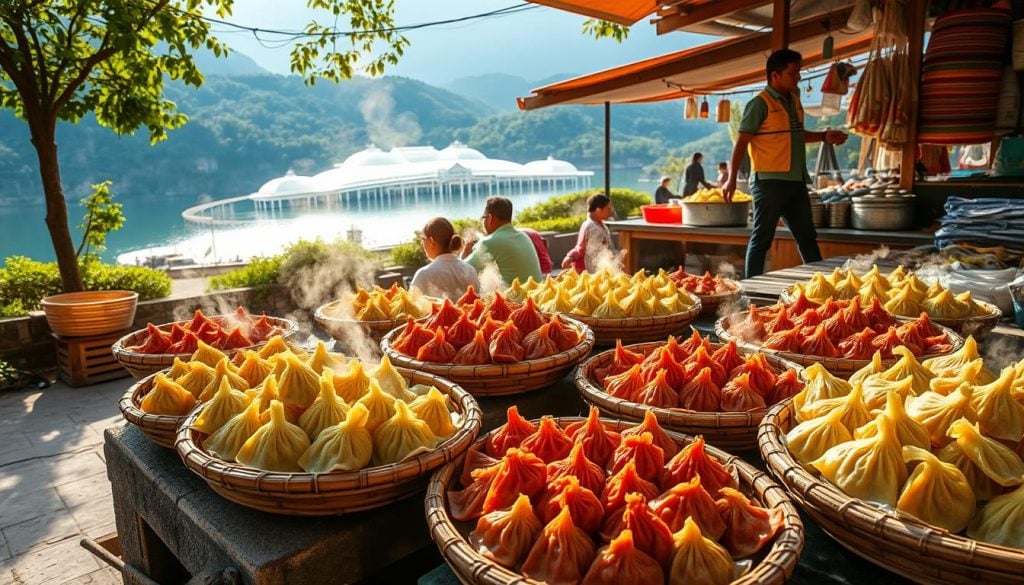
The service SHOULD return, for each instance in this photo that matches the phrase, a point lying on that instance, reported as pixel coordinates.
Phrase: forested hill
(248, 127)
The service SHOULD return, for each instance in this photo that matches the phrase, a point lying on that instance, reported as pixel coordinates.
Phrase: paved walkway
(53, 483)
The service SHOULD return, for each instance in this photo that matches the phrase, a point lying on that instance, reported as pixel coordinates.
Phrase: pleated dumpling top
(276, 446)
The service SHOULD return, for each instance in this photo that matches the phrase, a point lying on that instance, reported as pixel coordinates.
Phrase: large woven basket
(897, 542)
(735, 431)
(471, 568)
(978, 326)
(838, 366)
(501, 379)
(159, 428)
(335, 492)
(641, 329)
(90, 313)
(141, 365)
(342, 329)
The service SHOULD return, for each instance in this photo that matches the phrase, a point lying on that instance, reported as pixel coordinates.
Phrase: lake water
(154, 224)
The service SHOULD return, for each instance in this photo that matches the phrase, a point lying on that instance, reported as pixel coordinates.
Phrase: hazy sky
(534, 44)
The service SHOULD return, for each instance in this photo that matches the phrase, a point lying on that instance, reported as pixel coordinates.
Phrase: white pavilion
(417, 172)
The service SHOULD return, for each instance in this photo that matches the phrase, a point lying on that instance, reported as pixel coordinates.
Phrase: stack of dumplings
(380, 304)
(900, 292)
(585, 504)
(605, 294)
(286, 411)
(940, 440)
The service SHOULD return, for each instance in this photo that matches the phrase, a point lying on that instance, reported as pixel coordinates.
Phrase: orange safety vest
(770, 148)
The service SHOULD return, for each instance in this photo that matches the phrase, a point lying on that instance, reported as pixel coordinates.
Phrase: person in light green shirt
(505, 246)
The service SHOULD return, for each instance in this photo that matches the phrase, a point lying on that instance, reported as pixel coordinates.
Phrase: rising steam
(383, 127)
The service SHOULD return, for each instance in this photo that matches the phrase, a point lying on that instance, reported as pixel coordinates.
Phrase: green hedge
(568, 212)
(312, 270)
(25, 282)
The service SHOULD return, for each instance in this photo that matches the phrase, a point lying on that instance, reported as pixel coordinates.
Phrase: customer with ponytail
(447, 275)
(595, 240)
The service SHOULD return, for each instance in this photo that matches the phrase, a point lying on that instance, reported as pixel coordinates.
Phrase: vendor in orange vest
(773, 129)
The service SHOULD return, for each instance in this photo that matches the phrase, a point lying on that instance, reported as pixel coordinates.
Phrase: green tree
(102, 216)
(63, 59)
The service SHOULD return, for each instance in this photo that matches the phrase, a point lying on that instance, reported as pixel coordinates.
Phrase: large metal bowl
(716, 214)
(882, 213)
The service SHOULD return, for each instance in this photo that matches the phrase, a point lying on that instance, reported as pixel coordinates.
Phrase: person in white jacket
(447, 275)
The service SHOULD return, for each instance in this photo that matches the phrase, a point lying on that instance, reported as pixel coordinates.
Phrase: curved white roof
(290, 184)
(374, 167)
(551, 165)
(459, 151)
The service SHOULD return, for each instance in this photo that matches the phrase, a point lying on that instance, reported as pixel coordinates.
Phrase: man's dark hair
(499, 207)
(779, 60)
(697, 155)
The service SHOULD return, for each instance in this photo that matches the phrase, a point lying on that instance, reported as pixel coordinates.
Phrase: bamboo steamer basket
(90, 313)
(335, 492)
(341, 328)
(641, 329)
(159, 428)
(471, 568)
(839, 366)
(735, 431)
(141, 365)
(978, 326)
(501, 379)
(887, 538)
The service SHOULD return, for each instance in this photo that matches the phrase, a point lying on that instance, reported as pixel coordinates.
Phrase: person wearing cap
(662, 194)
(773, 129)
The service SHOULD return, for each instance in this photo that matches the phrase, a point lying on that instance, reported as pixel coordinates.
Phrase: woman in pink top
(594, 236)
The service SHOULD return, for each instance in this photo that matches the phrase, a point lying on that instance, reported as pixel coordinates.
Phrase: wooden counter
(783, 253)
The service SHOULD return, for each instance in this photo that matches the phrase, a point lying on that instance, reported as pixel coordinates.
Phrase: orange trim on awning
(625, 12)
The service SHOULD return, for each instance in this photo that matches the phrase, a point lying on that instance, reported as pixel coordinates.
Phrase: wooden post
(917, 10)
(780, 24)
(608, 149)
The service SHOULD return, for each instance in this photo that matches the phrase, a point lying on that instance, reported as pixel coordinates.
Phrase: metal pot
(716, 214)
(883, 213)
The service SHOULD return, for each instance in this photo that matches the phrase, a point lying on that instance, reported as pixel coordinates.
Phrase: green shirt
(755, 114)
(511, 250)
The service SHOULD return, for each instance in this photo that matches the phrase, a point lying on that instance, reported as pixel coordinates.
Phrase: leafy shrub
(625, 202)
(25, 282)
(556, 224)
(313, 271)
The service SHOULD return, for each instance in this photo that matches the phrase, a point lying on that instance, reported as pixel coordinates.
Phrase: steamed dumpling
(810, 439)
(1000, 415)
(200, 376)
(223, 371)
(953, 362)
(853, 413)
(698, 559)
(1001, 521)
(870, 469)
(346, 446)
(179, 370)
(936, 492)
(254, 369)
(937, 412)
(298, 385)
(391, 382)
(821, 384)
(945, 306)
(322, 358)
(353, 384)
(276, 446)
(876, 388)
(969, 374)
(610, 308)
(326, 411)
(208, 355)
(909, 366)
(224, 405)
(908, 431)
(381, 406)
(432, 408)
(230, 437)
(902, 303)
(873, 367)
(167, 398)
(994, 459)
(819, 289)
(401, 436)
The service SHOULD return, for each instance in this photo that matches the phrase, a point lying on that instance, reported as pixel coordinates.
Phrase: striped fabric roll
(961, 76)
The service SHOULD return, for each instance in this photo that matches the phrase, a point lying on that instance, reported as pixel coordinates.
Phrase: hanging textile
(961, 75)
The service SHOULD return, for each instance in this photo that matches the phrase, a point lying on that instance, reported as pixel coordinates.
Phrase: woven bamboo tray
(978, 326)
(342, 329)
(335, 492)
(735, 431)
(897, 542)
(839, 366)
(90, 313)
(641, 329)
(502, 379)
(471, 568)
(159, 428)
(143, 364)
(709, 304)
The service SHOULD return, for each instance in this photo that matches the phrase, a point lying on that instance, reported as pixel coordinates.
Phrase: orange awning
(624, 12)
(725, 64)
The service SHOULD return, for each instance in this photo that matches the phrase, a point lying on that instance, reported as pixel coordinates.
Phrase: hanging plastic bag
(860, 18)
(838, 79)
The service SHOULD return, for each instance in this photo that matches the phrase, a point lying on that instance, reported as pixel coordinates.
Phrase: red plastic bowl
(662, 213)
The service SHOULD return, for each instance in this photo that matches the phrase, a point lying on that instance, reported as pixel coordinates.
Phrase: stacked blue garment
(984, 222)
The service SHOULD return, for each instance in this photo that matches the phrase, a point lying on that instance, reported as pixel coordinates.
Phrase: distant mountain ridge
(248, 126)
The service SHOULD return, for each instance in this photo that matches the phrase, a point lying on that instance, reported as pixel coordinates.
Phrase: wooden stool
(82, 361)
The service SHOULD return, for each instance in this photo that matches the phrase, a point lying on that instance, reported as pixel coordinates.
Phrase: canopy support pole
(917, 11)
(608, 149)
(780, 25)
